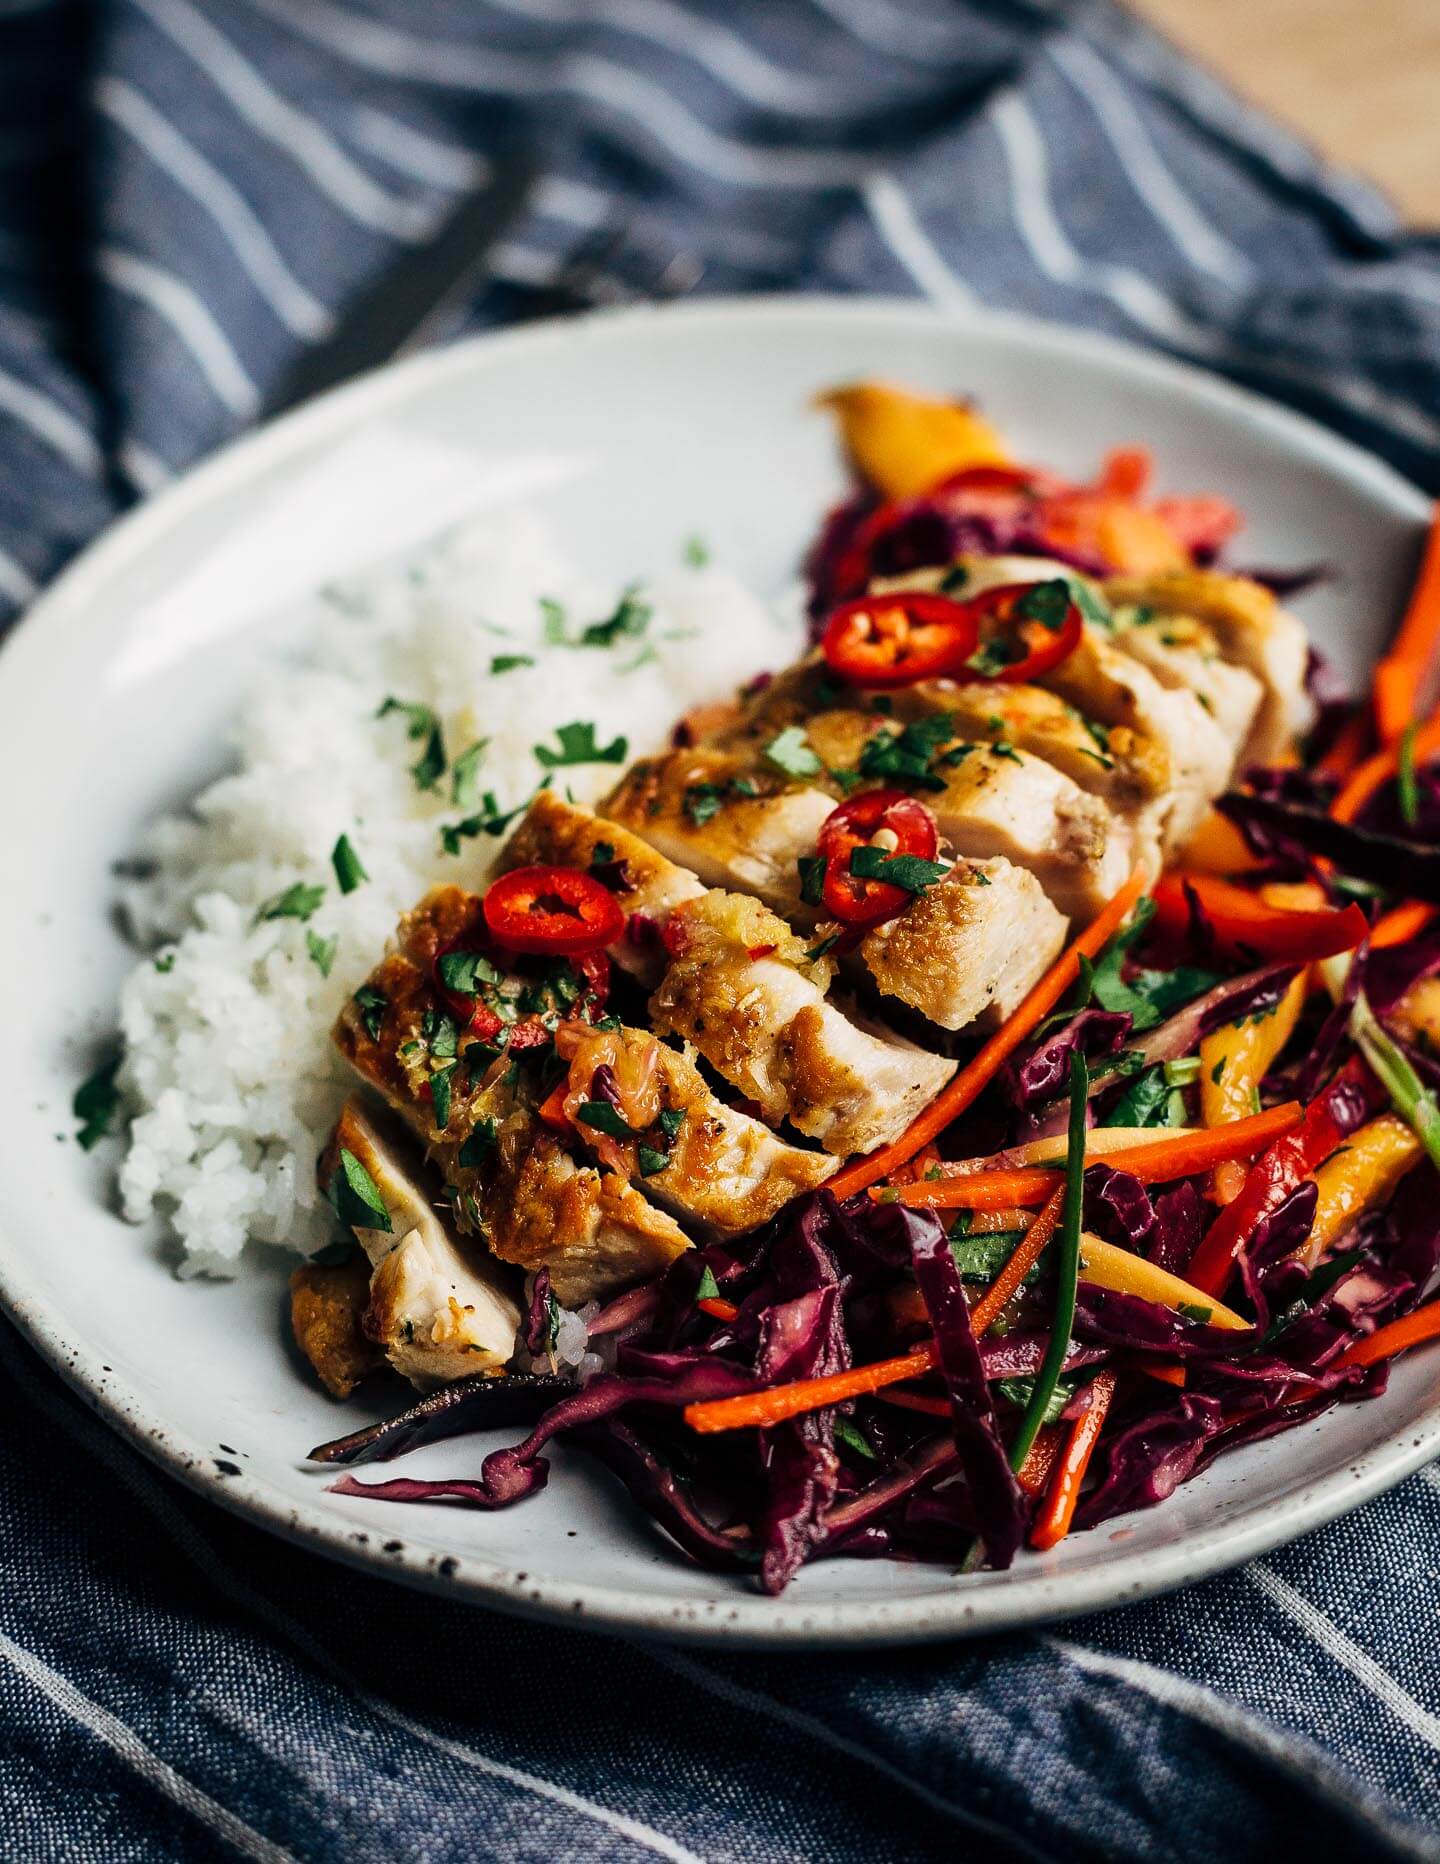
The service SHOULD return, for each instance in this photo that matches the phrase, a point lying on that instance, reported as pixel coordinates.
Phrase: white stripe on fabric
(122, 1740)
(1297, 1755)
(617, 91)
(1347, 1653)
(755, 1701)
(16, 582)
(48, 421)
(411, 152)
(227, 207)
(1172, 209)
(1052, 251)
(145, 470)
(189, 318)
(899, 226)
(137, 1478)
(288, 129)
(891, 30)
(724, 54)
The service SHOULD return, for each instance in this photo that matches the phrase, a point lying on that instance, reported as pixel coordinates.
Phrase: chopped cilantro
(465, 971)
(442, 1034)
(812, 878)
(1149, 1100)
(478, 1147)
(954, 579)
(791, 752)
(321, 950)
(671, 1120)
(489, 819)
(421, 723)
(441, 1083)
(356, 1196)
(824, 946)
(1019, 1392)
(372, 1005)
(707, 1289)
(906, 756)
(297, 902)
(96, 1102)
(464, 777)
(165, 963)
(1217, 1073)
(603, 1118)
(702, 802)
(651, 1160)
(349, 869)
(896, 870)
(981, 1258)
(631, 616)
(1046, 602)
(553, 618)
(696, 552)
(848, 1432)
(578, 746)
(507, 663)
(1193, 1311)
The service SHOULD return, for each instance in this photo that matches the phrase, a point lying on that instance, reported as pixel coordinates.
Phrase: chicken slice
(327, 1306)
(969, 949)
(1253, 632)
(647, 885)
(513, 1183)
(707, 1163)
(440, 1308)
(718, 814)
(1185, 656)
(739, 989)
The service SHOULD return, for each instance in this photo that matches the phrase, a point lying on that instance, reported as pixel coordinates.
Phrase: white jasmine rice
(229, 1076)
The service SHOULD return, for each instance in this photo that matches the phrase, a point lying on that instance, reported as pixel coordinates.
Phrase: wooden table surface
(1360, 79)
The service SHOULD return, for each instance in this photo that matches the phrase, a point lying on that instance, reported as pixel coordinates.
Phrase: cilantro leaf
(465, 971)
(651, 1160)
(896, 870)
(356, 1196)
(707, 1288)
(696, 552)
(631, 617)
(464, 784)
(489, 819)
(906, 756)
(506, 663)
(297, 902)
(1046, 602)
(373, 1005)
(578, 746)
(420, 723)
(603, 1118)
(791, 752)
(96, 1102)
(671, 1120)
(441, 1083)
(702, 802)
(479, 1146)
(848, 1432)
(321, 950)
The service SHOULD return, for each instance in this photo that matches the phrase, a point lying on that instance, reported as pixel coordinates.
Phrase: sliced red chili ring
(898, 638)
(1042, 621)
(559, 912)
(854, 901)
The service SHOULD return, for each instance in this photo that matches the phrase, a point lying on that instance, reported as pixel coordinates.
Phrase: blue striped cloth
(190, 191)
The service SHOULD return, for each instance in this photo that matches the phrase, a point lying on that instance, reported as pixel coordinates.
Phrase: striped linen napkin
(192, 190)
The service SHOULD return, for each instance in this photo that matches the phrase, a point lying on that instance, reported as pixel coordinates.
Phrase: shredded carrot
(1400, 676)
(1052, 1523)
(977, 1074)
(1166, 1370)
(915, 1401)
(924, 1160)
(1152, 1164)
(759, 1410)
(1394, 1337)
(717, 1308)
(1034, 1472)
(1401, 924)
(1380, 769)
(1022, 1259)
(1349, 748)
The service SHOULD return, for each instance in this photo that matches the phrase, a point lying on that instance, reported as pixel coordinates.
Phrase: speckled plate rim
(1025, 1597)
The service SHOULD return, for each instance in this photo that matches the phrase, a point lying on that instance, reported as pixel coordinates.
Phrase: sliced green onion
(1067, 1269)
(1412, 1100)
(1406, 787)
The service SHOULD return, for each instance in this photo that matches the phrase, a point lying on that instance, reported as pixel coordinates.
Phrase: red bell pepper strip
(1052, 1523)
(1271, 1179)
(1243, 923)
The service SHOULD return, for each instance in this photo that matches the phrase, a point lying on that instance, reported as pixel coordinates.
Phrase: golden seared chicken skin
(748, 994)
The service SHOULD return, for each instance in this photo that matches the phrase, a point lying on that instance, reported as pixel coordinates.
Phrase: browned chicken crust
(327, 1303)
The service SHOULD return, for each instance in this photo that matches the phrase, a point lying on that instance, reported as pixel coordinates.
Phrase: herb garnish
(791, 752)
(464, 778)
(812, 878)
(349, 869)
(603, 1118)
(96, 1102)
(478, 1147)
(651, 1161)
(848, 1432)
(297, 902)
(421, 723)
(372, 1005)
(696, 552)
(896, 870)
(578, 746)
(1046, 602)
(441, 1083)
(321, 950)
(907, 756)
(356, 1196)
(507, 663)
(707, 1288)
(465, 971)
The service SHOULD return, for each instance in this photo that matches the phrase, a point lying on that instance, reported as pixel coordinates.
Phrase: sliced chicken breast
(740, 988)
(648, 886)
(708, 1164)
(510, 1181)
(1253, 631)
(440, 1308)
(969, 949)
(1185, 656)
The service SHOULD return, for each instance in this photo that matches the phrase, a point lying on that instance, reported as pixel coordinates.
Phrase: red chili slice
(559, 912)
(863, 903)
(899, 638)
(1043, 619)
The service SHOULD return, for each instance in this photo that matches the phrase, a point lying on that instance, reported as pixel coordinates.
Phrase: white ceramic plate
(631, 431)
